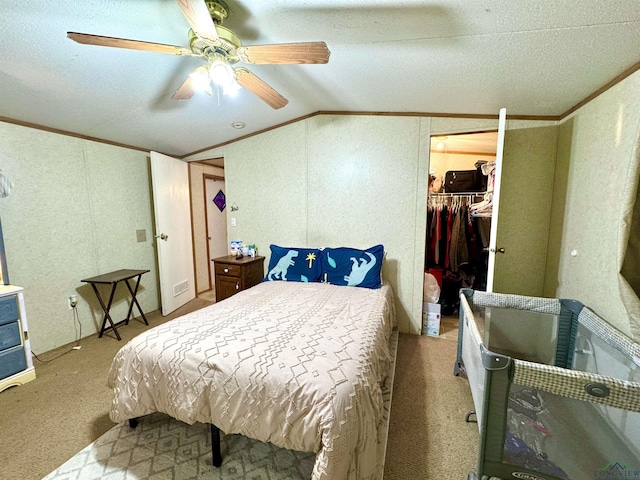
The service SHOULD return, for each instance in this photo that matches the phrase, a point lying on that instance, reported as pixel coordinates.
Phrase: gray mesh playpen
(555, 389)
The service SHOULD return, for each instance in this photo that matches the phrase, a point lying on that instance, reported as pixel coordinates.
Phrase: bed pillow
(294, 264)
(353, 267)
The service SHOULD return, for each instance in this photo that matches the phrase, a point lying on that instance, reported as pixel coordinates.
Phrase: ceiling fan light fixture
(231, 88)
(218, 10)
(221, 48)
(221, 73)
(201, 79)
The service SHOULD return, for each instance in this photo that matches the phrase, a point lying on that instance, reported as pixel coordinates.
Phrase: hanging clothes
(454, 246)
(458, 247)
(485, 207)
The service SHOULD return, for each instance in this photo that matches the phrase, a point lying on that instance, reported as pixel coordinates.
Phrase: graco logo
(525, 476)
(617, 470)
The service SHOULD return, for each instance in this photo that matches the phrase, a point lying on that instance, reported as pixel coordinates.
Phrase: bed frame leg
(215, 446)
(133, 422)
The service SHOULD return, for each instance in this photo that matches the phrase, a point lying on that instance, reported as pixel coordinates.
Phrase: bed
(300, 365)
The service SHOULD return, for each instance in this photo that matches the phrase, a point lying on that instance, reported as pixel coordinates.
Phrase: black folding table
(113, 278)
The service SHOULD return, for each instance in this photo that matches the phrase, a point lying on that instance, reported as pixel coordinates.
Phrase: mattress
(299, 365)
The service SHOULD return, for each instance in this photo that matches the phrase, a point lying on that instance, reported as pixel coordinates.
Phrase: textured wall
(266, 177)
(337, 181)
(356, 180)
(367, 192)
(72, 214)
(594, 154)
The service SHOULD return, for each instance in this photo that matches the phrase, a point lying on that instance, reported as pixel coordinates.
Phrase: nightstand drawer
(16, 365)
(226, 269)
(9, 335)
(8, 309)
(12, 361)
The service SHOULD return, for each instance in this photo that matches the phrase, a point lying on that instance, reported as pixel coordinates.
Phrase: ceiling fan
(221, 48)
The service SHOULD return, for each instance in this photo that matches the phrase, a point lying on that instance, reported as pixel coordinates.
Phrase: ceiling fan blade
(259, 88)
(88, 39)
(198, 16)
(186, 90)
(306, 52)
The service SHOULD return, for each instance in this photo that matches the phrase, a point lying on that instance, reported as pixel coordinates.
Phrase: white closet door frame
(493, 249)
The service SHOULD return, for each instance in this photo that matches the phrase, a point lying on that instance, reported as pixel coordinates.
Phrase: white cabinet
(16, 364)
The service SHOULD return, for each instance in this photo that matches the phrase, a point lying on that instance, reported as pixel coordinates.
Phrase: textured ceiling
(538, 57)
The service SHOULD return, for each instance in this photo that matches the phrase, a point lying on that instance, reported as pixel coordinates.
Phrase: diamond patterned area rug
(161, 447)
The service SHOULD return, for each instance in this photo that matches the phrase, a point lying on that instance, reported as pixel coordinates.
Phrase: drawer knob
(237, 286)
(226, 270)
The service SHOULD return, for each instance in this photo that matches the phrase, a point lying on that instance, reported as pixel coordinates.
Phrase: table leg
(134, 292)
(106, 311)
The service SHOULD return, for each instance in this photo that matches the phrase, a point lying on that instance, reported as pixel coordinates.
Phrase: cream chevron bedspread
(299, 365)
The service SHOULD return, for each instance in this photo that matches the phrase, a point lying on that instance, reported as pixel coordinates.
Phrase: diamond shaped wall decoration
(220, 200)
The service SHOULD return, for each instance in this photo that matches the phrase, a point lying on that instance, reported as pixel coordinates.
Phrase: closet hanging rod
(466, 194)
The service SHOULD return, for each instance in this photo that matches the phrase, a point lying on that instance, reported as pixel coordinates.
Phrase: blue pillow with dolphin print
(353, 267)
(294, 264)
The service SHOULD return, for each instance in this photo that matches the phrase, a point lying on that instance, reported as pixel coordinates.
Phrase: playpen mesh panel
(575, 384)
(475, 371)
(610, 335)
(551, 306)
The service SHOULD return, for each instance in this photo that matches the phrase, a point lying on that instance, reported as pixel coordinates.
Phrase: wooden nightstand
(233, 275)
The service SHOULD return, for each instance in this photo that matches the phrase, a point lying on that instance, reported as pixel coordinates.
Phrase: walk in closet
(461, 179)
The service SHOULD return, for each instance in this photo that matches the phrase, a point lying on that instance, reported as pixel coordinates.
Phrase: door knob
(162, 236)
(497, 250)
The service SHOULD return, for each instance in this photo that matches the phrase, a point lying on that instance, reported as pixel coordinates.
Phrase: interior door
(174, 245)
(528, 170)
(216, 221)
(495, 209)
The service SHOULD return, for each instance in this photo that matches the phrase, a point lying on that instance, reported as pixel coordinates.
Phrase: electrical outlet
(72, 302)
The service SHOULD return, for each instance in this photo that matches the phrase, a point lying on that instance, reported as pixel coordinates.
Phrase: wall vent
(181, 287)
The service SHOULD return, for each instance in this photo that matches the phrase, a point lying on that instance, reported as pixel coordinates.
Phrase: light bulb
(221, 73)
(201, 79)
(231, 89)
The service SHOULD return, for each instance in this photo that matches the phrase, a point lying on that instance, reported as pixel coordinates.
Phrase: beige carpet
(46, 422)
(428, 437)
